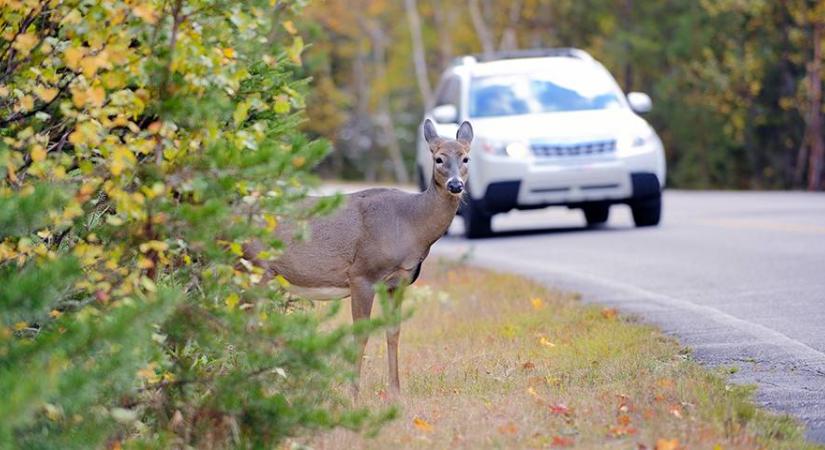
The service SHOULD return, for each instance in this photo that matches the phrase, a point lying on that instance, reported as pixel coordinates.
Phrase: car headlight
(637, 141)
(515, 150)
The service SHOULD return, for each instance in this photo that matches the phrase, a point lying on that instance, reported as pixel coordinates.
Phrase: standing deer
(377, 236)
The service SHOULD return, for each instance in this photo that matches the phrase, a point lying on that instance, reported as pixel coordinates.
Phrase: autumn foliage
(142, 143)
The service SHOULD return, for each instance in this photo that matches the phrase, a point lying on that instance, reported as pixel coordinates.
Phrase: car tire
(477, 221)
(647, 212)
(596, 214)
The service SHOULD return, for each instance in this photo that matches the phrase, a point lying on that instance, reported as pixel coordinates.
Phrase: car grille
(575, 149)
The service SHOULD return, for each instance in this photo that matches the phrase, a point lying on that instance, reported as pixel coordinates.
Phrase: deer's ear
(465, 133)
(430, 135)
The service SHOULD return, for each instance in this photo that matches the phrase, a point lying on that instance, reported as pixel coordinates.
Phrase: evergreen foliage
(143, 142)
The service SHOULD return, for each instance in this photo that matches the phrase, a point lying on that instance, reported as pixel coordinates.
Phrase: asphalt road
(739, 277)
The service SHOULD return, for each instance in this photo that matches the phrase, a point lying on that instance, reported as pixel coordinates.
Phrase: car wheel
(476, 220)
(647, 212)
(596, 214)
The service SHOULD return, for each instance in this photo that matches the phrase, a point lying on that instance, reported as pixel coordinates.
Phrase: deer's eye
(466, 160)
(439, 161)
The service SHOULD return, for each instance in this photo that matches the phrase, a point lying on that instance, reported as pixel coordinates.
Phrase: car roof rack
(568, 52)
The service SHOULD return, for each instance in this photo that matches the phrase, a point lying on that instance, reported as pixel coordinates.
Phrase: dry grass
(494, 361)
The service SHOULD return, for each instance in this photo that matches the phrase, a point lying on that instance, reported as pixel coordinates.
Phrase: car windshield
(556, 91)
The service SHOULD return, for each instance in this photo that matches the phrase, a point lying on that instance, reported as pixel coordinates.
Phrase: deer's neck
(435, 211)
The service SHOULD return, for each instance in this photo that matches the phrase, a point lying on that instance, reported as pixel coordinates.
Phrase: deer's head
(450, 157)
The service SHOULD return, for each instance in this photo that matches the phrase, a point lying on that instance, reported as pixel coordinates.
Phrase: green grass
(492, 360)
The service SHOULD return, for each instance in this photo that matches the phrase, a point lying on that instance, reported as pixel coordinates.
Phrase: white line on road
(800, 350)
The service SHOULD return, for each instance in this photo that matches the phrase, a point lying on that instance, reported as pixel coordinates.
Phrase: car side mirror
(445, 114)
(640, 102)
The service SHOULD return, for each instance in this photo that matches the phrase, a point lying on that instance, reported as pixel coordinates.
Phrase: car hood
(561, 126)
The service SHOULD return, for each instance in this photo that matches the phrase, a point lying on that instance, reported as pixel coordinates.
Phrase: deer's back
(367, 235)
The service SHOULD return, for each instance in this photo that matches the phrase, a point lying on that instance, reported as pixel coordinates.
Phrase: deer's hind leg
(362, 296)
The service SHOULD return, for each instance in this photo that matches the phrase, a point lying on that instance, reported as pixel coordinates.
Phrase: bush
(143, 142)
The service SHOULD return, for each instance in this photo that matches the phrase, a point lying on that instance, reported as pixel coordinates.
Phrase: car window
(449, 93)
(542, 92)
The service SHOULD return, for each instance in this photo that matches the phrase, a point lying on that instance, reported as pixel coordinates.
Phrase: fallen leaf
(620, 431)
(528, 366)
(562, 441)
(624, 420)
(545, 342)
(676, 411)
(38, 153)
(510, 428)
(609, 313)
(422, 425)
(667, 444)
(559, 409)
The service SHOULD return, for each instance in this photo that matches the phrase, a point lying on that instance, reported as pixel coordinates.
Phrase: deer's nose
(455, 185)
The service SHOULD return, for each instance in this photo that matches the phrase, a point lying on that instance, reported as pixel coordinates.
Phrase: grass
(492, 360)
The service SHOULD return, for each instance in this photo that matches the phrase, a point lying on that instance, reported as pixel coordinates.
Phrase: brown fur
(377, 236)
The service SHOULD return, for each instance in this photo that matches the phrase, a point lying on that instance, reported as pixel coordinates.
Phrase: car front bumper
(519, 184)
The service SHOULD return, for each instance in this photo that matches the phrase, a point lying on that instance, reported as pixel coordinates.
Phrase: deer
(378, 236)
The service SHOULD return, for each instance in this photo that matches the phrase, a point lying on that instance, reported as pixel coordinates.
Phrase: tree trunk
(384, 116)
(444, 19)
(509, 38)
(482, 31)
(627, 22)
(419, 58)
(815, 138)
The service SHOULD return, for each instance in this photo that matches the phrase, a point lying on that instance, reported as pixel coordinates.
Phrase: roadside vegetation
(491, 360)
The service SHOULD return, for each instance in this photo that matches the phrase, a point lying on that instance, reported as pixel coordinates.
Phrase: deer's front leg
(393, 333)
(362, 296)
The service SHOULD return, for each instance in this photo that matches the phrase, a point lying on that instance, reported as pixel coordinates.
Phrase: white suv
(552, 127)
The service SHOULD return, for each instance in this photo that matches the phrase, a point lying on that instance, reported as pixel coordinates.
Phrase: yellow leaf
(97, 96)
(27, 103)
(232, 301)
(290, 27)
(145, 12)
(148, 373)
(294, 51)
(667, 444)
(422, 425)
(25, 42)
(38, 153)
(281, 105)
(298, 162)
(121, 159)
(20, 326)
(79, 97)
(45, 93)
(90, 65)
(537, 303)
(52, 412)
(72, 56)
(236, 248)
(229, 52)
(282, 281)
(158, 246)
(545, 342)
(271, 222)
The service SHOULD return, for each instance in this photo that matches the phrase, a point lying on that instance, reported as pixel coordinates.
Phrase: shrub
(143, 141)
